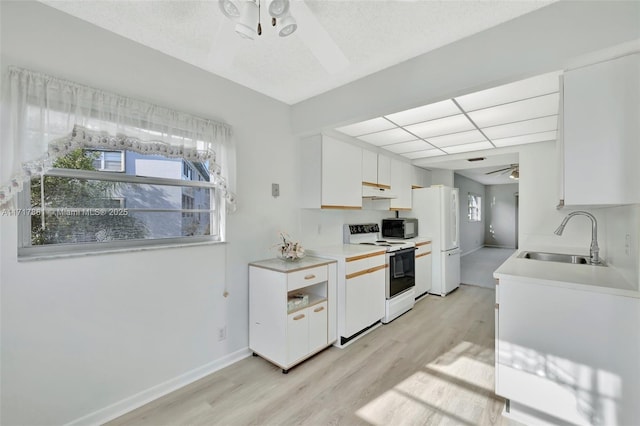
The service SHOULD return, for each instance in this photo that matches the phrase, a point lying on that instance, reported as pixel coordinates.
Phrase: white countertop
(343, 251)
(602, 279)
(281, 265)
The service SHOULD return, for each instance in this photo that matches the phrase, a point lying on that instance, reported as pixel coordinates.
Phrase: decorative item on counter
(296, 301)
(289, 250)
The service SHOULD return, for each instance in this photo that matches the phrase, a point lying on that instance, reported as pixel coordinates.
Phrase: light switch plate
(275, 189)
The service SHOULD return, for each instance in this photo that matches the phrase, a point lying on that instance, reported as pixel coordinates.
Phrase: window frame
(28, 251)
(102, 159)
(478, 199)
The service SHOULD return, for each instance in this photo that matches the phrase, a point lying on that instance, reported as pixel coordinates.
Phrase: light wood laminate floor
(432, 366)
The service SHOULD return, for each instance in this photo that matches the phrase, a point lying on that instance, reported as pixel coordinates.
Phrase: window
(92, 170)
(108, 161)
(79, 207)
(475, 208)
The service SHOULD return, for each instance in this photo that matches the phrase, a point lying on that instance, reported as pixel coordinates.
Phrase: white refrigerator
(437, 211)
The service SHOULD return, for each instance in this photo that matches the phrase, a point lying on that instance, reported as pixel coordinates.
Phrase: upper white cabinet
(376, 169)
(420, 178)
(331, 172)
(401, 177)
(600, 140)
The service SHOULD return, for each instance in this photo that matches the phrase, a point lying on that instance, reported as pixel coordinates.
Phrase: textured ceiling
(337, 41)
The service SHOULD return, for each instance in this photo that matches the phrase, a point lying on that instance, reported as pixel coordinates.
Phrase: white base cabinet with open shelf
(286, 334)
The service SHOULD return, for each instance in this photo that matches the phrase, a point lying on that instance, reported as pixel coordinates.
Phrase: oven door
(402, 272)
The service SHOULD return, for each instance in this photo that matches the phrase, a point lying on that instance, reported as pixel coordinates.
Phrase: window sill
(33, 257)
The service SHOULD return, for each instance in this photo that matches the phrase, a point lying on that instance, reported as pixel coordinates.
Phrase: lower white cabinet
(364, 293)
(423, 268)
(292, 309)
(567, 356)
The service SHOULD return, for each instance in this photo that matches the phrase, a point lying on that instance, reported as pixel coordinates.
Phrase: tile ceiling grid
(516, 113)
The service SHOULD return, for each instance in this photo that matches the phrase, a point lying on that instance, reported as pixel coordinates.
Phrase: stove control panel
(367, 228)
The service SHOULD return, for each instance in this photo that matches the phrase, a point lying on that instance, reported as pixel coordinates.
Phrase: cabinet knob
(309, 277)
(298, 317)
(320, 309)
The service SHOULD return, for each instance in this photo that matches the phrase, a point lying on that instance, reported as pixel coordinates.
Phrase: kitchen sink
(556, 257)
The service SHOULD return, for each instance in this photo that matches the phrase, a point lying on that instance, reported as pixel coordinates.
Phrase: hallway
(477, 268)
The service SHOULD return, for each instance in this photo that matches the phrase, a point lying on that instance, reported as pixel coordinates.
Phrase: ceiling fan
(246, 16)
(513, 170)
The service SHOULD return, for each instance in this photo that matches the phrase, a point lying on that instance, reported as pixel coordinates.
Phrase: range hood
(377, 193)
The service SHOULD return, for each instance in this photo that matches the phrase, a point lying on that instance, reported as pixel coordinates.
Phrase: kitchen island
(567, 343)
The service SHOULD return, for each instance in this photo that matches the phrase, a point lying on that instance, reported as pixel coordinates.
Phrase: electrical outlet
(275, 189)
(222, 333)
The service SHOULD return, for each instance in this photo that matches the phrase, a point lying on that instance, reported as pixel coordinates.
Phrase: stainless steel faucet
(594, 250)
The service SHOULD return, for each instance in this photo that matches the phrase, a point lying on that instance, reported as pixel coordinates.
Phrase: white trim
(500, 246)
(126, 405)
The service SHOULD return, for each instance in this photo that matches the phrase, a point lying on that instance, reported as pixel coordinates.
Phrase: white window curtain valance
(44, 118)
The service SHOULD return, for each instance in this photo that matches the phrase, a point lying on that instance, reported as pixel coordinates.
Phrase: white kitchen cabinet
(364, 292)
(423, 268)
(566, 355)
(600, 133)
(420, 178)
(401, 177)
(287, 335)
(331, 172)
(376, 169)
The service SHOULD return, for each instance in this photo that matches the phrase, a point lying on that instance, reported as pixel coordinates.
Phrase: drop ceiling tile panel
(468, 147)
(537, 125)
(424, 154)
(520, 140)
(365, 127)
(388, 137)
(523, 89)
(527, 109)
(442, 126)
(403, 147)
(457, 138)
(425, 113)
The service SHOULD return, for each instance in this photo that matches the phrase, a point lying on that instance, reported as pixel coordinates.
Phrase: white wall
(500, 209)
(442, 177)
(82, 333)
(622, 226)
(471, 233)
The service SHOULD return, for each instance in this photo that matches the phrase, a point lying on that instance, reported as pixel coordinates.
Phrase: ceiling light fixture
(247, 16)
(515, 174)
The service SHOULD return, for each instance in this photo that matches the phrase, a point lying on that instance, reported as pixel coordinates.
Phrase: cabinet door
(364, 304)
(400, 185)
(297, 335)
(423, 273)
(317, 326)
(341, 174)
(369, 167)
(601, 133)
(384, 171)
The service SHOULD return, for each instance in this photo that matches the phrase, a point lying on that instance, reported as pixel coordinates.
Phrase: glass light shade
(246, 24)
(286, 26)
(230, 8)
(278, 8)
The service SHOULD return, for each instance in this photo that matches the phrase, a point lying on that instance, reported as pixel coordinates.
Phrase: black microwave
(405, 227)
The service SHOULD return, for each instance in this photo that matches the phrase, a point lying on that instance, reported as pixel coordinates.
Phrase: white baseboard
(470, 251)
(126, 405)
